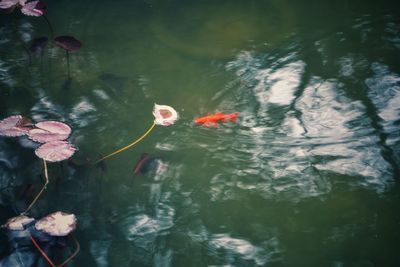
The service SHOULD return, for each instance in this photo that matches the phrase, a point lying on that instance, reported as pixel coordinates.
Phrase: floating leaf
(47, 131)
(18, 223)
(164, 115)
(14, 126)
(6, 4)
(55, 151)
(34, 8)
(57, 224)
(68, 43)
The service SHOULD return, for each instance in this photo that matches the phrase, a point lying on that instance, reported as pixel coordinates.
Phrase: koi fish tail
(232, 117)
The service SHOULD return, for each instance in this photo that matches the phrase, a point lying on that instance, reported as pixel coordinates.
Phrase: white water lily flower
(164, 115)
(57, 224)
(18, 223)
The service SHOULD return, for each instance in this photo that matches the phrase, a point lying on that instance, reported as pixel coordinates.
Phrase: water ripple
(324, 132)
(384, 92)
(143, 226)
(234, 248)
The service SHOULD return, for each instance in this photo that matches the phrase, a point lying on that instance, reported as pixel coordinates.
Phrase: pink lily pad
(14, 126)
(5, 4)
(33, 8)
(55, 151)
(18, 223)
(47, 131)
(57, 224)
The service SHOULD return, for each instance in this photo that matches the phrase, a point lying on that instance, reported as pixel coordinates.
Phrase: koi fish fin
(211, 124)
(231, 117)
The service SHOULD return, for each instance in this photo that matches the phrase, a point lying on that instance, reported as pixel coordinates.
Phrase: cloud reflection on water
(234, 248)
(324, 131)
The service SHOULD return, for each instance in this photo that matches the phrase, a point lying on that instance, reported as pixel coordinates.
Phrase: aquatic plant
(14, 126)
(47, 131)
(51, 133)
(57, 224)
(55, 151)
(69, 44)
(32, 8)
(17, 223)
(48, 229)
(163, 115)
(11, 4)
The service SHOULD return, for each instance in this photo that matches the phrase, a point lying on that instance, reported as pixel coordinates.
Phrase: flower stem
(128, 146)
(46, 175)
(50, 27)
(67, 55)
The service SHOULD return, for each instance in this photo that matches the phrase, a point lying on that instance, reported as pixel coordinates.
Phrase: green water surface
(307, 176)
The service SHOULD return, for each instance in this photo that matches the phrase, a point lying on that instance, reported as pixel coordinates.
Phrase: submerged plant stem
(67, 54)
(128, 146)
(42, 252)
(28, 53)
(46, 175)
(78, 248)
(50, 27)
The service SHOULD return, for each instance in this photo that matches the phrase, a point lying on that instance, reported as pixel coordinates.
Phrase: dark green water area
(307, 176)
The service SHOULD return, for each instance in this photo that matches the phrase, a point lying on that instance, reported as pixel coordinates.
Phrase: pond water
(307, 176)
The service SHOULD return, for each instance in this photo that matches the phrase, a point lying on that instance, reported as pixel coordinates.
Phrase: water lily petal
(164, 115)
(55, 151)
(57, 224)
(47, 131)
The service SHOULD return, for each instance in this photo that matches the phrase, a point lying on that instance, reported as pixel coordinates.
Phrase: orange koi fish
(212, 120)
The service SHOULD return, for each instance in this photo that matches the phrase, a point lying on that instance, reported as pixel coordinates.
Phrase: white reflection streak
(99, 250)
(325, 131)
(80, 112)
(244, 249)
(326, 116)
(45, 107)
(385, 93)
(283, 83)
(5, 75)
